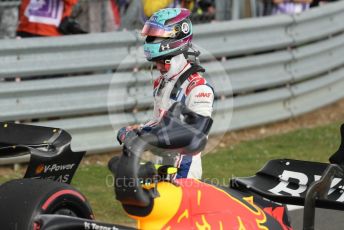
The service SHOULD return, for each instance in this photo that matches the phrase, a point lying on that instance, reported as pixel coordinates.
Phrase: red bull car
(44, 199)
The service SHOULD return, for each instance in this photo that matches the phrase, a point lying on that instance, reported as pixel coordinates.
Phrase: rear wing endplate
(50, 152)
(287, 181)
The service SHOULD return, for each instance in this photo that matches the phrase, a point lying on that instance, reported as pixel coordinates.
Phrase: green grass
(242, 159)
(315, 144)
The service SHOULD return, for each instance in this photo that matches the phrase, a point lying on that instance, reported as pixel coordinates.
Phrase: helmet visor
(157, 30)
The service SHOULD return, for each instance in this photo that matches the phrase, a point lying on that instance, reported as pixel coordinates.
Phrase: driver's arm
(200, 100)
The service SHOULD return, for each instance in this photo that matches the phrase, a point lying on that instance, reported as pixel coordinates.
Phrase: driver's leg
(189, 166)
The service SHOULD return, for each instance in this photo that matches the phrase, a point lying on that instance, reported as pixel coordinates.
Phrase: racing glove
(126, 132)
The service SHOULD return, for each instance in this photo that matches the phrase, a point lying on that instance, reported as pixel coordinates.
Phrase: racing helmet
(169, 33)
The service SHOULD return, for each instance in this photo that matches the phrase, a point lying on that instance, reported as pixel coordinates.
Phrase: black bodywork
(49, 150)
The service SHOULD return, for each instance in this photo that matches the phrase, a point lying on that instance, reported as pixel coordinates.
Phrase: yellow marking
(204, 226)
(249, 200)
(199, 193)
(148, 186)
(5, 125)
(259, 212)
(172, 170)
(185, 214)
(160, 216)
(241, 225)
(221, 226)
(157, 166)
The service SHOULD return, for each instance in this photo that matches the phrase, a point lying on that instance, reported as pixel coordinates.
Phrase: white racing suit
(196, 94)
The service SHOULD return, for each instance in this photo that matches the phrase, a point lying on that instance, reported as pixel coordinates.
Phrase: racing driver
(168, 41)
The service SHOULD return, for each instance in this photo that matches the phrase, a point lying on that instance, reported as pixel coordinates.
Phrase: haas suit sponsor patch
(195, 80)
